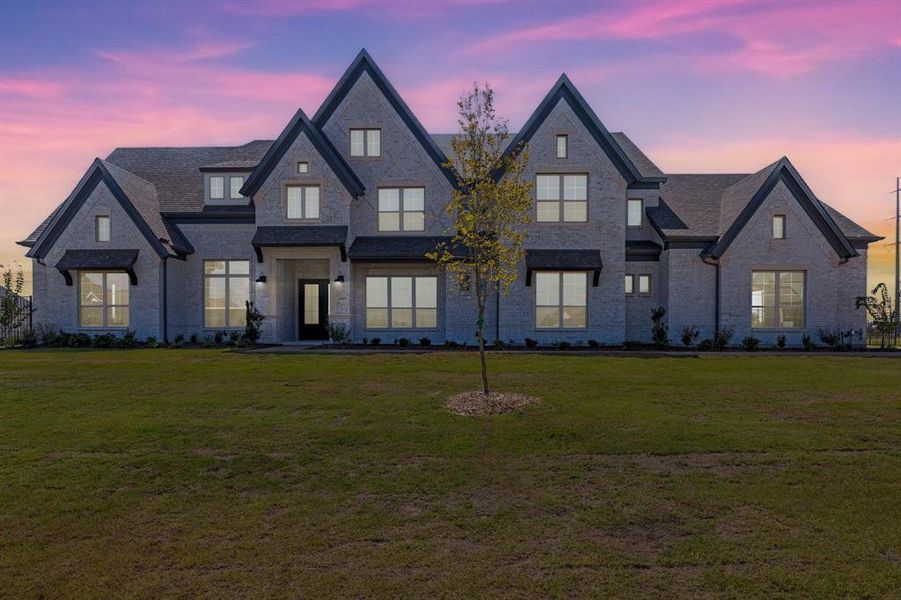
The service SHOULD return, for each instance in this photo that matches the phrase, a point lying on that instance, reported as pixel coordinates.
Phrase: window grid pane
(217, 187)
(777, 299)
(644, 284)
(630, 284)
(401, 302)
(236, 184)
(634, 213)
(562, 146)
(226, 290)
(357, 142)
(103, 299)
(779, 227)
(103, 229)
(373, 142)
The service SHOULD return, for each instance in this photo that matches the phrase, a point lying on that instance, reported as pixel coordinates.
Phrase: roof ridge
(108, 164)
(192, 147)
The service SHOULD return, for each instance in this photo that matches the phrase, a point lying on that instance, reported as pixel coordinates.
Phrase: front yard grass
(216, 474)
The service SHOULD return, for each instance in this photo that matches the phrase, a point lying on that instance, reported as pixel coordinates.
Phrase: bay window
(226, 288)
(401, 302)
(561, 299)
(777, 299)
(103, 299)
(561, 198)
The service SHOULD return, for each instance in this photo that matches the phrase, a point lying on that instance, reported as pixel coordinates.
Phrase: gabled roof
(300, 123)
(137, 197)
(737, 209)
(363, 63)
(564, 90)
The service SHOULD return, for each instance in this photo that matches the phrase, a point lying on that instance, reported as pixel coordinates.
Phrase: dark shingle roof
(638, 158)
(175, 172)
(399, 247)
(690, 204)
(300, 235)
(97, 259)
(564, 259)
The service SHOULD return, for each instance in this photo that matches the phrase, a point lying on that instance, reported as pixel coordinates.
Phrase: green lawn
(208, 473)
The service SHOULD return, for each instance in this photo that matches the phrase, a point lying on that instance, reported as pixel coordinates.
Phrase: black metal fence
(21, 314)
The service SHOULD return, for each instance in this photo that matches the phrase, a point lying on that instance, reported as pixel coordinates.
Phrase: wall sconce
(339, 279)
(261, 279)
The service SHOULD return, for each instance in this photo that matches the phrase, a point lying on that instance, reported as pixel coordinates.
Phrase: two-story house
(332, 222)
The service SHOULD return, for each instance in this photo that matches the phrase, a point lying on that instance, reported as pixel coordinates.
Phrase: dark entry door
(312, 305)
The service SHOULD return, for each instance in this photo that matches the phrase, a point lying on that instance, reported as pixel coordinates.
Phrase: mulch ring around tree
(475, 403)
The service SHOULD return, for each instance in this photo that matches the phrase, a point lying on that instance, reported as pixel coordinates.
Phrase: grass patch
(150, 473)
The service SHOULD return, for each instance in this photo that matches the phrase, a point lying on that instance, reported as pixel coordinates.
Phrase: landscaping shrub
(179, 341)
(152, 343)
(402, 342)
(831, 337)
(808, 342)
(658, 328)
(780, 341)
(338, 332)
(593, 344)
(375, 341)
(365, 341)
(207, 342)
(129, 339)
(217, 338)
(689, 334)
(234, 338)
(563, 345)
(79, 340)
(451, 344)
(29, 339)
(103, 340)
(750, 344)
(253, 320)
(705, 345)
(530, 343)
(424, 341)
(722, 338)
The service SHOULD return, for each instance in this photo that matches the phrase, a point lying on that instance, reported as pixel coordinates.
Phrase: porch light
(261, 279)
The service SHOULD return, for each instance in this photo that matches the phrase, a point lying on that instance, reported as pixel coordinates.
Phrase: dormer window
(102, 228)
(779, 227)
(235, 183)
(366, 142)
(562, 146)
(217, 187)
(303, 168)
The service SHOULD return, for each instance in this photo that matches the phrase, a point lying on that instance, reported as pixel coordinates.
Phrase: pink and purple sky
(699, 85)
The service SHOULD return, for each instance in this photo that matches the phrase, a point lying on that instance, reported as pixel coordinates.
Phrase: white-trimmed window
(561, 198)
(217, 187)
(226, 289)
(777, 299)
(401, 302)
(561, 299)
(235, 182)
(401, 209)
(102, 228)
(303, 168)
(644, 284)
(778, 227)
(634, 211)
(302, 201)
(365, 142)
(103, 299)
(562, 146)
(630, 284)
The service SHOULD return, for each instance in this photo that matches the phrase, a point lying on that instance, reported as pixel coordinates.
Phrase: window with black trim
(779, 227)
(102, 228)
(103, 299)
(302, 201)
(226, 289)
(777, 299)
(630, 284)
(365, 142)
(401, 209)
(561, 299)
(303, 168)
(561, 198)
(401, 302)
(562, 146)
(644, 285)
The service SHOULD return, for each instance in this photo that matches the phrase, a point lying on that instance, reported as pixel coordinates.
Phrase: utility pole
(898, 260)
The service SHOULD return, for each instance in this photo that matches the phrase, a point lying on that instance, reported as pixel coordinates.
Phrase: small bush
(750, 344)
(104, 340)
(424, 341)
(338, 332)
(808, 342)
(152, 343)
(658, 327)
(451, 344)
(403, 342)
(79, 340)
(780, 341)
(593, 344)
(29, 338)
(563, 345)
(217, 338)
(207, 342)
(831, 337)
(375, 341)
(179, 341)
(689, 334)
(705, 345)
(365, 341)
(499, 344)
(253, 324)
(530, 343)
(234, 338)
(193, 339)
(129, 339)
(722, 338)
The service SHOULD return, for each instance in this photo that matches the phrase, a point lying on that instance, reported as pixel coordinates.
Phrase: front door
(312, 305)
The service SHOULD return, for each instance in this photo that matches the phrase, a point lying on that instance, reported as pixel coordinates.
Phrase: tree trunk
(480, 301)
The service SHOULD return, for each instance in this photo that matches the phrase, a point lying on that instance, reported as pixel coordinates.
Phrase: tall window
(401, 209)
(102, 228)
(777, 299)
(303, 201)
(217, 187)
(401, 302)
(644, 284)
(779, 227)
(562, 146)
(235, 184)
(630, 284)
(561, 299)
(226, 287)
(365, 142)
(562, 198)
(103, 299)
(634, 210)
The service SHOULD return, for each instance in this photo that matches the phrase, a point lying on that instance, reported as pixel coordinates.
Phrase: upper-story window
(102, 228)
(303, 168)
(365, 142)
(235, 184)
(562, 198)
(402, 209)
(562, 146)
(634, 210)
(217, 187)
(302, 201)
(779, 227)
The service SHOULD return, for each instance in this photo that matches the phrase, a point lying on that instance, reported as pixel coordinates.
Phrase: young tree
(879, 307)
(12, 311)
(489, 210)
